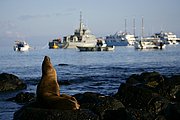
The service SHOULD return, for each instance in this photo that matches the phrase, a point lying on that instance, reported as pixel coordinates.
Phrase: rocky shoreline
(148, 95)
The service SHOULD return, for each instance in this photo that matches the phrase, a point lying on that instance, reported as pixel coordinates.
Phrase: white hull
(21, 46)
(140, 46)
(74, 44)
(23, 49)
(149, 43)
(95, 48)
(120, 39)
(100, 46)
(167, 37)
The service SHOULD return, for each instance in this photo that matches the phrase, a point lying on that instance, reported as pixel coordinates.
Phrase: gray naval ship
(81, 36)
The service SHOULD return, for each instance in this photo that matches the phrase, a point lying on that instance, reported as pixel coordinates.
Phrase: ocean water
(100, 72)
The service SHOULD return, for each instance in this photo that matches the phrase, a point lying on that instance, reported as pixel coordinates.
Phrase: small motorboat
(57, 43)
(21, 46)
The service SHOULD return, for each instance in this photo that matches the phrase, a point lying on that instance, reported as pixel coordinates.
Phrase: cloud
(66, 12)
(6, 25)
(29, 17)
(8, 37)
(13, 34)
(9, 30)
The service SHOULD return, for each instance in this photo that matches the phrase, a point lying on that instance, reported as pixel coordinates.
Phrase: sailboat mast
(80, 27)
(142, 27)
(125, 26)
(134, 27)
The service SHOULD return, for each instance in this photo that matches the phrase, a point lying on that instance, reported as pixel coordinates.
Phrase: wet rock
(32, 113)
(36, 111)
(119, 114)
(172, 111)
(157, 104)
(150, 80)
(149, 96)
(88, 100)
(144, 77)
(174, 89)
(151, 76)
(134, 96)
(63, 64)
(23, 97)
(175, 93)
(139, 114)
(9, 82)
(105, 106)
(134, 79)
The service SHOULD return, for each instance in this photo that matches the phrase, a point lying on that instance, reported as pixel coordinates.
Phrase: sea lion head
(47, 67)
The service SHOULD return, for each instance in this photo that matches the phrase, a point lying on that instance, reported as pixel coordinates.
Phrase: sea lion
(48, 90)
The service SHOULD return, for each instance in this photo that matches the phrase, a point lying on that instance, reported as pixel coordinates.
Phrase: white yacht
(81, 36)
(120, 39)
(149, 43)
(21, 46)
(167, 37)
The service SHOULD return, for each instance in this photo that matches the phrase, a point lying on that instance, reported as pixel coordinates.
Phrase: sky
(39, 21)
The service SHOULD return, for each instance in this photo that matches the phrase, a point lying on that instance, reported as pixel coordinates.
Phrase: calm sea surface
(100, 72)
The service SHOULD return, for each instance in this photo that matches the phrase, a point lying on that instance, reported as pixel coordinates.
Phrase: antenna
(80, 21)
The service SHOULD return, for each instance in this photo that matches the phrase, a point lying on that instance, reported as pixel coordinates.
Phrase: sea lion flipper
(69, 97)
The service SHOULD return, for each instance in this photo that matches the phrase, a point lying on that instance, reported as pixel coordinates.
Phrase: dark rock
(134, 79)
(9, 82)
(147, 96)
(134, 96)
(160, 117)
(175, 93)
(119, 114)
(139, 114)
(150, 96)
(172, 111)
(157, 104)
(174, 89)
(176, 79)
(155, 82)
(104, 106)
(63, 64)
(88, 100)
(33, 113)
(144, 77)
(150, 80)
(23, 97)
(151, 76)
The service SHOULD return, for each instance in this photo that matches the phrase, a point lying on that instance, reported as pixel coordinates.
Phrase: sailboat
(148, 42)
